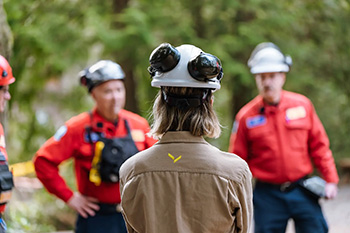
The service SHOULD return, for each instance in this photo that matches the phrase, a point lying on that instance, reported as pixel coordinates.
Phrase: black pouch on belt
(6, 181)
(115, 152)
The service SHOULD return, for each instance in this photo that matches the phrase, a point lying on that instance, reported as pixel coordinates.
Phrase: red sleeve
(233, 137)
(238, 141)
(2, 142)
(149, 141)
(319, 150)
(57, 149)
(3, 151)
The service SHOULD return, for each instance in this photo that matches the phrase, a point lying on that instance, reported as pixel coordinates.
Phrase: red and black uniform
(3, 198)
(281, 143)
(73, 141)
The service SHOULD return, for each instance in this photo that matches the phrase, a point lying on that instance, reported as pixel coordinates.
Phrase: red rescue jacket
(281, 143)
(72, 141)
(3, 151)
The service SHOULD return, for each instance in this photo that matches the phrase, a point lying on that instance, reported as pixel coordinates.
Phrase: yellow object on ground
(22, 169)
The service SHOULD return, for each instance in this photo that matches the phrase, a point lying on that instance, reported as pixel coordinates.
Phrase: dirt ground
(337, 212)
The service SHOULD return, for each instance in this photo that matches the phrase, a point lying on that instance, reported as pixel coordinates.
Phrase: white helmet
(184, 66)
(268, 58)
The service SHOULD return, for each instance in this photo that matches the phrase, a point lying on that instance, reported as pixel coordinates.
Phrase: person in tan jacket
(183, 184)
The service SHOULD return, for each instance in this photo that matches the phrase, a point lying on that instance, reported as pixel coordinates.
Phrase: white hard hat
(268, 58)
(184, 66)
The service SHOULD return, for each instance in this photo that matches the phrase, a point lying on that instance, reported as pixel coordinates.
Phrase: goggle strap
(185, 102)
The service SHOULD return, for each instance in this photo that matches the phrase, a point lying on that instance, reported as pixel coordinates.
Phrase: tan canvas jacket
(185, 185)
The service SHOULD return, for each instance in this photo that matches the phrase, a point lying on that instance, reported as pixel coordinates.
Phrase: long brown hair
(199, 121)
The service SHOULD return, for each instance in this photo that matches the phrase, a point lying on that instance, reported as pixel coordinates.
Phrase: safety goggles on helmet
(164, 58)
(268, 58)
(205, 67)
(184, 66)
(6, 77)
(101, 72)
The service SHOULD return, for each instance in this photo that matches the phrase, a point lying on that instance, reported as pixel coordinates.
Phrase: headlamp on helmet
(184, 66)
(100, 72)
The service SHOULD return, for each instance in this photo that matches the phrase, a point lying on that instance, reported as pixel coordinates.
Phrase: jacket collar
(179, 137)
(266, 108)
(100, 124)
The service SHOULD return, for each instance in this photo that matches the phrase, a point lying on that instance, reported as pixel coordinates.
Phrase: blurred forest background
(49, 42)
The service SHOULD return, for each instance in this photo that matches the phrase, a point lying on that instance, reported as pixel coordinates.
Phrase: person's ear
(93, 94)
(284, 79)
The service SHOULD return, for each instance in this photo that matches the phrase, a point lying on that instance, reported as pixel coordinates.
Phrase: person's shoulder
(233, 158)
(251, 108)
(136, 163)
(78, 121)
(297, 98)
(133, 117)
(234, 166)
(226, 162)
(72, 127)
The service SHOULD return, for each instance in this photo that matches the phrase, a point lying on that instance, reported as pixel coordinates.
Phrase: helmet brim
(7, 81)
(269, 68)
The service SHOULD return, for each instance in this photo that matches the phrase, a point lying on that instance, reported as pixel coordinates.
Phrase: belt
(284, 187)
(106, 209)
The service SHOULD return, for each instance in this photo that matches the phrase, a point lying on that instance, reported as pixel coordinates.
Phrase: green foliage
(28, 216)
(54, 40)
(33, 209)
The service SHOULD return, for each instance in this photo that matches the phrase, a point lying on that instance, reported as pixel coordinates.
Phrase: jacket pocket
(298, 131)
(261, 139)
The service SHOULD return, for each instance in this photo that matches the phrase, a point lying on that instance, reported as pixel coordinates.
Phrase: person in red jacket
(280, 136)
(6, 78)
(99, 141)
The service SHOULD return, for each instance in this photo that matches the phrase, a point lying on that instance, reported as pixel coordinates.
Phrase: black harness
(114, 153)
(6, 180)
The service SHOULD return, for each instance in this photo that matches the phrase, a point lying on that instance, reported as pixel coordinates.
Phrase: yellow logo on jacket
(173, 158)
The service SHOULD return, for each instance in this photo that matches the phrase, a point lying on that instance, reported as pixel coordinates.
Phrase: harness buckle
(285, 186)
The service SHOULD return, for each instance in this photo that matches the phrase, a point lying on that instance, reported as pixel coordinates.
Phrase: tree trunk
(130, 85)
(6, 42)
(6, 39)
(131, 103)
(119, 5)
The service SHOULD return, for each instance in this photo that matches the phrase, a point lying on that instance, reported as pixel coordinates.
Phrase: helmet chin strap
(185, 102)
